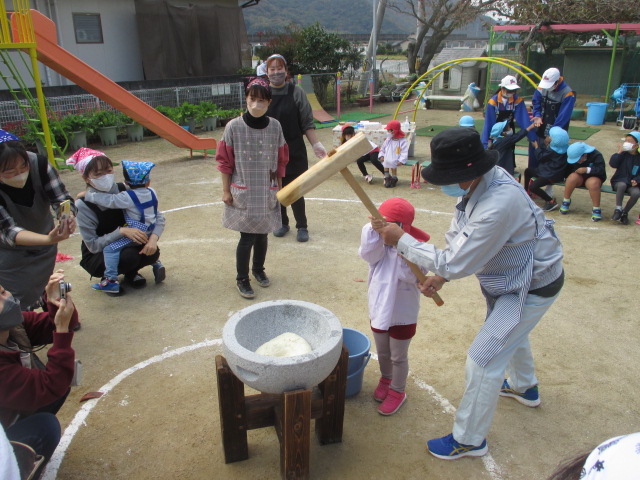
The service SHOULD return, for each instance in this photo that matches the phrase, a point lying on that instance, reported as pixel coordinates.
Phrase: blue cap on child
(577, 150)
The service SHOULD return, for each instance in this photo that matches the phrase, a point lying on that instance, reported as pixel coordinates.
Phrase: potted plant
(35, 135)
(187, 113)
(106, 123)
(76, 126)
(208, 115)
(226, 115)
(135, 131)
(170, 112)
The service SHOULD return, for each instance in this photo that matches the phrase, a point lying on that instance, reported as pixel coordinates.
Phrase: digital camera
(64, 288)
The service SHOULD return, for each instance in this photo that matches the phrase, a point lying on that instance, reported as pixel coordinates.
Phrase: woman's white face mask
(103, 183)
(17, 181)
(256, 106)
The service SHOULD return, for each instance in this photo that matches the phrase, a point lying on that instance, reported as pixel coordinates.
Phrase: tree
(541, 13)
(436, 19)
(314, 50)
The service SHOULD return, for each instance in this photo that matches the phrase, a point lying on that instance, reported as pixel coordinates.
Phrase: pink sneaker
(392, 403)
(380, 393)
(638, 220)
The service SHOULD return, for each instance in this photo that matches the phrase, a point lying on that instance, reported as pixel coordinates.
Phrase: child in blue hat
(503, 140)
(552, 163)
(585, 168)
(140, 205)
(627, 176)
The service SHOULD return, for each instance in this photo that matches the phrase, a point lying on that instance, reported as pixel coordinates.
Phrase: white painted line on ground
(53, 466)
(56, 459)
(490, 465)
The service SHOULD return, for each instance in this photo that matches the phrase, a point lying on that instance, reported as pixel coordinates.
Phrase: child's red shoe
(392, 403)
(380, 393)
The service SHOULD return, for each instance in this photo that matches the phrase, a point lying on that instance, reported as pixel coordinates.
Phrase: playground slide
(63, 62)
(319, 113)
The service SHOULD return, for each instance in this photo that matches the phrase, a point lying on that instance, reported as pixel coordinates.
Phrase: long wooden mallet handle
(364, 198)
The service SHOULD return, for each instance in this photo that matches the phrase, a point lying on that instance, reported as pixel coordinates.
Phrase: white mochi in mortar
(286, 345)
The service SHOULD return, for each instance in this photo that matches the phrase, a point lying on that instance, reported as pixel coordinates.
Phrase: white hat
(549, 77)
(510, 83)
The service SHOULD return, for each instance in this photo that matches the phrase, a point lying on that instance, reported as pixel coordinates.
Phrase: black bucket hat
(457, 156)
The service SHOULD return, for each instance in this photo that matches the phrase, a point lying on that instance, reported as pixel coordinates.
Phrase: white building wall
(119, 56)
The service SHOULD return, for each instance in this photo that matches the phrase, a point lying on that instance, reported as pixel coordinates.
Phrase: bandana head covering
(138, 172)
(260, 82)
(7, 137)
(82, 157)
(275, 56)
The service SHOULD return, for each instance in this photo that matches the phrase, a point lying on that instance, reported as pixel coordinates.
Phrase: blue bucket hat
(137, 172)
(634, 134)
(497, 129)
(7, 137)
(559, 140)
(577, 150)
(467, 121)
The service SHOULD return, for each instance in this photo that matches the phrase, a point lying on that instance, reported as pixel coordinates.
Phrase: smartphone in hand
(64, 212)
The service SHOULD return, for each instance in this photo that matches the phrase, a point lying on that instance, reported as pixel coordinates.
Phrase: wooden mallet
(337, 161)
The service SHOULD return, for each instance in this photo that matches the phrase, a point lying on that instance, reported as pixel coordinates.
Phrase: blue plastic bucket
(358, 345)
(596, 112)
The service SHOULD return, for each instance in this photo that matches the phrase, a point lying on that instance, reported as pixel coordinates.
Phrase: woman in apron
(502, 237)
(29, 187)
(290, 106)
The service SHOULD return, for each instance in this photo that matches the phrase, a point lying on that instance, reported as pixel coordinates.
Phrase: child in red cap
(394, 150)
(394, 303)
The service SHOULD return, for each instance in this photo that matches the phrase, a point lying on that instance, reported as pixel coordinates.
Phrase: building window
(87, 27)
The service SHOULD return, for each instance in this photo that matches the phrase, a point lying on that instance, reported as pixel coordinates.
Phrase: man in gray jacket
(502, 237)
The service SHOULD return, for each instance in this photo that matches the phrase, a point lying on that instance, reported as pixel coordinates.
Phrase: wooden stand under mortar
(289, 412)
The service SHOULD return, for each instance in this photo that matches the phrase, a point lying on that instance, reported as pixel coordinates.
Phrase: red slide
(63, 62)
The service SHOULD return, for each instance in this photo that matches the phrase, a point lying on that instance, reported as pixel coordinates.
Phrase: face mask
(626, 146)
(277, 79)
(257, 109)
(507, 95)
(454, 190)
(11, 316)
(18, 181)
(389, 135)
(508, 133)
(103, 183)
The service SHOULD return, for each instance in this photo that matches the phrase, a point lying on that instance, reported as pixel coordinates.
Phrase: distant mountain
(340, 16)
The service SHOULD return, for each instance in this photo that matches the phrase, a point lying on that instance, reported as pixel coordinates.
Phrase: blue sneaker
(564, 208)
(159, 272)
(446, 448)
(108, 286)
(530, 398)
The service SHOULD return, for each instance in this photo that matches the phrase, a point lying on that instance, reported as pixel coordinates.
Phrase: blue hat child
(137, 173)
(577, 150)
(467, 121)
(635, 135)
(559, 140)
(7, 137)
(497, 129)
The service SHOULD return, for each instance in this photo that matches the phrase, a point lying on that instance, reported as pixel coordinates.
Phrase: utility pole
(370, 56)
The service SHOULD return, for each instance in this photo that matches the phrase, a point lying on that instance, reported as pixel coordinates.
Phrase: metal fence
(225, 95)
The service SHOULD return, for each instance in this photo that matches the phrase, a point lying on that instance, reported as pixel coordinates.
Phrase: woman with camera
(29, 188)
(31, 393)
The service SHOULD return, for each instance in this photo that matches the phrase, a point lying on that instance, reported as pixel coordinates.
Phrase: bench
(443, 98)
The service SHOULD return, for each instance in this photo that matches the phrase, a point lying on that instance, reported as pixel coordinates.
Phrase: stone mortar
(249, 328)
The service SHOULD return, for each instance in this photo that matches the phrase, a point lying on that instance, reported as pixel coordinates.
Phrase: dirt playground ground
(151, 351)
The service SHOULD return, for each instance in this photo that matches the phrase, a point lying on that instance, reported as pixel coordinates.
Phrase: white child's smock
(394, 298)
(394, 151)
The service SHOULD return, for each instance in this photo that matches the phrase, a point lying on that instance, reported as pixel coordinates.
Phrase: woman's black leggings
(634, 194)
(257, 241)
(537, 185)
(371, 157)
